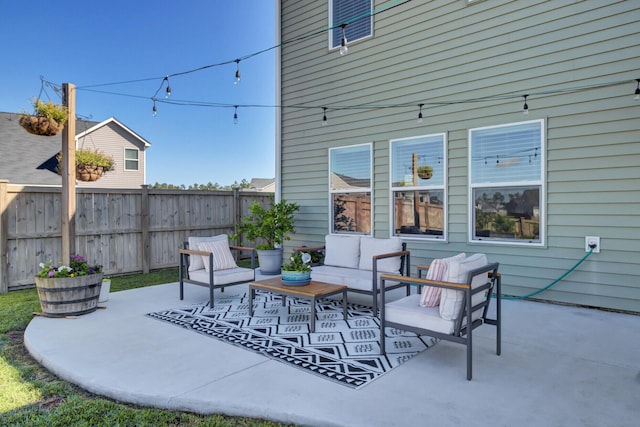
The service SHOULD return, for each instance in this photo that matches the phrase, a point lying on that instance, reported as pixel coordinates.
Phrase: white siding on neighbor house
(112, 139)
(432, 51)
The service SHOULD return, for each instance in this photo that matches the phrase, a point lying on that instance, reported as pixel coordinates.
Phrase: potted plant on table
(297, 272)
(48, 118)
(69, 290)
(272, 226)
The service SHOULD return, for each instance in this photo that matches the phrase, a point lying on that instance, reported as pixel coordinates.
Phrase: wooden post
(4, 248)
(144, 220)
(69, 174)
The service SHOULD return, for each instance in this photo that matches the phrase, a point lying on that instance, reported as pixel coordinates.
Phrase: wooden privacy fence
(127, 231)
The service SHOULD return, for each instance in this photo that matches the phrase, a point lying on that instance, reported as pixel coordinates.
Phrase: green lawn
(32, 396)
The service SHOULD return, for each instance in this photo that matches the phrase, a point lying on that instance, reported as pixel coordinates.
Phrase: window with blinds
(356, 14)
(506, 177)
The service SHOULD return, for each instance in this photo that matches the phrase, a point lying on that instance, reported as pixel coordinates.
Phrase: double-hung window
(350, 189)
(131, 159)
(418, 186)
(357, 16)
(506, 178)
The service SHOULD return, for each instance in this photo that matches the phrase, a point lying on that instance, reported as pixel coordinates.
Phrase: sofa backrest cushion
(370, 246)
(451, 301)
(195, 262)
(222, 258)
(437, 271)
(342, 251)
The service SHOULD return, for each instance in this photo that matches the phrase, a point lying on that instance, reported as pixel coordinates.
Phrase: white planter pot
(104, 291)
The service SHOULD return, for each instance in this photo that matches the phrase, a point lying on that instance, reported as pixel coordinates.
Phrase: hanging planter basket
(42, 126)
(89, 172)
(48, 119)
(425, 172)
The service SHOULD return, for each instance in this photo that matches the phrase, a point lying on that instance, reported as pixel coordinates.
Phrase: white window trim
(445, 185)
(542, 183)
(370, 190)
(125, 160)
(332, 24)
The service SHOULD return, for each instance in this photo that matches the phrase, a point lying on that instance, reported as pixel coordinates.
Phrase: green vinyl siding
(424, 52)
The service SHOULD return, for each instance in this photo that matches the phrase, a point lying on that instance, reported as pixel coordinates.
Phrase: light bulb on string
(324, 116)
(155, 109)
(420, 114)
(525, 107)
(235, 115)
(237, 79)
(168, 88)
(343, 43)
(637, 92)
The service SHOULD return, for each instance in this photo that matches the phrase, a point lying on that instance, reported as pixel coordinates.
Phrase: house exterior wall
(112, 139)
(424, 51)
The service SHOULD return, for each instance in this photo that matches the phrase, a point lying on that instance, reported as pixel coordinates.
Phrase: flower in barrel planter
(48, 118)
(298, 270)
(68, 290)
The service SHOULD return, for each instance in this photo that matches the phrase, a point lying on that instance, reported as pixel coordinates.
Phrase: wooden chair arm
(422, 267)
(193, 252)
(308, 248)
(424, 282)
(241, 248)
(391, 254)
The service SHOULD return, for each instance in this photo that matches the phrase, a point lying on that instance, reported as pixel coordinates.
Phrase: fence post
(144, 221)
(4, 256)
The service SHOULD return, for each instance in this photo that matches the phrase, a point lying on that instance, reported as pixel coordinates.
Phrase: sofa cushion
(222, 258)
(342, 251)
(407, 311)
(353, 278)
(223, 277)
(437, 270)
(370, 246)
(450, 300)
(195, 262)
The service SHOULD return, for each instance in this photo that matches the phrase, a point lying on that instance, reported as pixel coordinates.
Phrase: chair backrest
(481, 281)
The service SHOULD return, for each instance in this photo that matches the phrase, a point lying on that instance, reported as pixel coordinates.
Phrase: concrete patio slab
(560, 366)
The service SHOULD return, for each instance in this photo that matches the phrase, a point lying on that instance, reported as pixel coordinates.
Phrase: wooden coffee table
(313, 291)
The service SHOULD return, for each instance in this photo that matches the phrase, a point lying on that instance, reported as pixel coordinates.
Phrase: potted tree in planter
(272, 226)
(91, 164)
(48, 119)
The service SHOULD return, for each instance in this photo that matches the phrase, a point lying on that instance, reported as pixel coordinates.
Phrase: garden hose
(552, 283)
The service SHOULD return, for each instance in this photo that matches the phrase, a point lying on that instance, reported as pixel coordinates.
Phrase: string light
(343, 43)
(237, 80)
(324, 116)
(637, 93)
(420, 113)
(235, 115)
(525, 107)
(155, 109)
(168, 88)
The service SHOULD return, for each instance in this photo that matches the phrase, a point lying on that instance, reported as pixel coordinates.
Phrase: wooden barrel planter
(69, 296)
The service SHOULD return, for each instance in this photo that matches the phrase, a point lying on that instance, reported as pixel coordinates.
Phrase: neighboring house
(443, 84)
(31, 160)
(265, 185)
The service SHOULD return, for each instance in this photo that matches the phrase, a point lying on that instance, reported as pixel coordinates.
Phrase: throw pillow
(451, 301)
(370, 246)
(342, 251)
(437, 270)
(195, 262)
(222, 258)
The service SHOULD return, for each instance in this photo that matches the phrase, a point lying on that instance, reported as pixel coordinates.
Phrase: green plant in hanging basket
(425, 172)
(90, 164)
(48, 118)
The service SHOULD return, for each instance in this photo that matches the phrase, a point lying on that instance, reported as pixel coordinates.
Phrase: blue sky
(91, 43)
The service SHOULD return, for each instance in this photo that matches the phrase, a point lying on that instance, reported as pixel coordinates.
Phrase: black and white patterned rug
(347, 352)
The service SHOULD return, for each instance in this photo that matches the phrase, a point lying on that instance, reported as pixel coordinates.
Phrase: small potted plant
(91, 164)
(104, 290)
(425, 172)
(272, 226)
(297, 272)
(48, 118)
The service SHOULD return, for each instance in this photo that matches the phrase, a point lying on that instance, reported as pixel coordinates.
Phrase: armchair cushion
(437, 271)
(370, 246)
(451, 300)
(222, 258)
(407, 311)
(195, 262)
(342, 251)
